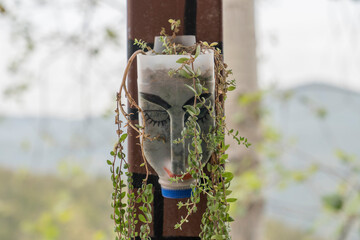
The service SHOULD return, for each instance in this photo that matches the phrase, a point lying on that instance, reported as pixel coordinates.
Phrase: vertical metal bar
(202, 18)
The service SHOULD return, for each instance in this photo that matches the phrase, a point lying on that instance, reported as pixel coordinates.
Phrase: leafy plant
(211, 179)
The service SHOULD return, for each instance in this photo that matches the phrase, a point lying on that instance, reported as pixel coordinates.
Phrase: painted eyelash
(154, 122)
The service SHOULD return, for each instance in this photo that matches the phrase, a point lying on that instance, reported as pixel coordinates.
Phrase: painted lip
(171, 175)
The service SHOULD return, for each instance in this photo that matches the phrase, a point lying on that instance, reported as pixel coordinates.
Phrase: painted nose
(177, 149)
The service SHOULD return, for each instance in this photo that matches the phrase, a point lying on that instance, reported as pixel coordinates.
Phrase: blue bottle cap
(176, 193)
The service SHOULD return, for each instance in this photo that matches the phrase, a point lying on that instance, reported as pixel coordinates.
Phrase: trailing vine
(211, 179)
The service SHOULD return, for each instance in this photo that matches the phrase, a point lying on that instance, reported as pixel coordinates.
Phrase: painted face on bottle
(162, 98)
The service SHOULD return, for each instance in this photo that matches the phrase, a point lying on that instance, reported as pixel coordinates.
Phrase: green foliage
(212, 181)
(344, 202)
(334, 202)
(318, 111)
(277, 230)
(341, 204)
(48, 207)
(141, 44)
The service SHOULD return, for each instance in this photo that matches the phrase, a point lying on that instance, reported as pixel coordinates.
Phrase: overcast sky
(299, 41)
(302, 41)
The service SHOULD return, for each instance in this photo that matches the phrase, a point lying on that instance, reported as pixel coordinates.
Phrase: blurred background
(297, 101)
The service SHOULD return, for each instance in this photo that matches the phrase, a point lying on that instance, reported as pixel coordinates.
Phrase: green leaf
(224, 157)
(191, 88)
(191, 110)
(182, 60)
(123, 137)
(190, 71)
(117, 211)
(333, 201)
(144, 209)
(198, 72)
(228, 192)
(142, 218)
(109, 162)
(231, 88)
(148, 216)
(197, 51)
(121, 155)
(230, 219)
(122, 195)
(228, 175)
(218, 237)
(184, 73)
(111, 33)
(151, 198)
(112, 153)
(229, 200)
(198, 88)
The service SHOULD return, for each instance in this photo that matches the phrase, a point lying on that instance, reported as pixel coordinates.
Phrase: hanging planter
(163, 98)
(182, 128)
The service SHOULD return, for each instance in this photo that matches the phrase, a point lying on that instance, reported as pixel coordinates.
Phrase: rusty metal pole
(202, 18)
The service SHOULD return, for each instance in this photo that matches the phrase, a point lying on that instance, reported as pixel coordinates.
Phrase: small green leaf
(224, 157)
(190, 71)
(148, 216)
(109, 162)
(228, 192)
(111, 33)
(142, 218)
(229, 200)
(228, 175)
(198, 72)
(198, 88)
(230, 219)
(151, 198)
(144, 209)
(122, 195)
(112, 153)
(197, 51)
(218, 237)
(191, 88)
(184, 73)
(333, 201)
(231, 88)
(190, 109)
(182, 60)
(123, 137)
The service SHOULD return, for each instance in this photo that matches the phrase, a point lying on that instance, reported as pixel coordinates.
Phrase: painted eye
(202, 115)
(156, 117)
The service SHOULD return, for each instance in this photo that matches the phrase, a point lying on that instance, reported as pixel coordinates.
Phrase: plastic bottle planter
(162, 99)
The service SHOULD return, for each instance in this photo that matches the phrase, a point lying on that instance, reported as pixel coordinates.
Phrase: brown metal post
(202, 18)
